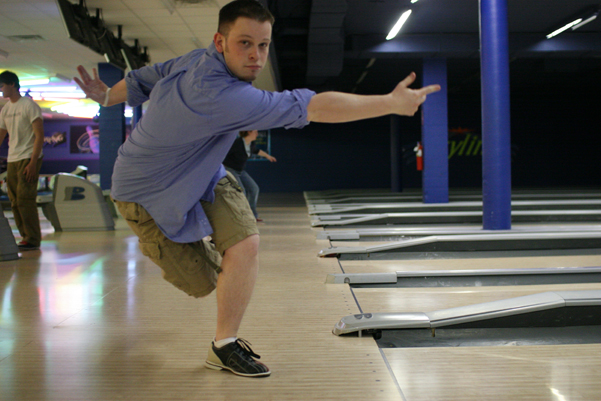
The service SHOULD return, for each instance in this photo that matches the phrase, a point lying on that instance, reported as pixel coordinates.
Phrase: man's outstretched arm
(338, 107)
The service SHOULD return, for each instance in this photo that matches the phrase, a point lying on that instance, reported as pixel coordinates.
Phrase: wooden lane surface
(551, 372)
(545, 373)
(90, 318)
(386, 300)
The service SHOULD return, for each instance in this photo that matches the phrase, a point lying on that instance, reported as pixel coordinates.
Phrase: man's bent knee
(249, 247)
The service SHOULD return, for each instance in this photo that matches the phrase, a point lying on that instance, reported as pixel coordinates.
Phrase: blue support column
(396, 154)
(136, 117)
(435, 134)
(111, 126)
(496, 138)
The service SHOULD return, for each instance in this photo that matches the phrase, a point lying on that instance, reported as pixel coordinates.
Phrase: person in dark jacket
(235, 162)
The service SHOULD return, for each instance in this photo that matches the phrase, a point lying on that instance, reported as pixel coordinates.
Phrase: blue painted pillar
(396, 154)
(496, 137)
(137, 111)
(435, 134)
(111, 126)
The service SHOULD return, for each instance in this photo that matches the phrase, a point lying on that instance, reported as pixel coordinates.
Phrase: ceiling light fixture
(577, 23)
(414, 1)
(397, 27)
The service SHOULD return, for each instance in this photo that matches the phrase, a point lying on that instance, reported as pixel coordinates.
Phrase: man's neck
(15, 98)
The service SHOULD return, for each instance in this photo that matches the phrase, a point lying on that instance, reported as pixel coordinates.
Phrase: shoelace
(245, 345)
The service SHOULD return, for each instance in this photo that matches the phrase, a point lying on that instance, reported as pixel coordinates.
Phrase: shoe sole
(214, 366)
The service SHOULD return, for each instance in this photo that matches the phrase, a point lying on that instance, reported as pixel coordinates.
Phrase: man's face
(245, 48)
(7, 90)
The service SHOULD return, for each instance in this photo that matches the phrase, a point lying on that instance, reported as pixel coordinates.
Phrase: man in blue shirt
(168, 180)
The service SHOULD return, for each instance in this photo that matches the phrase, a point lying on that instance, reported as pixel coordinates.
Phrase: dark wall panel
(324, 156)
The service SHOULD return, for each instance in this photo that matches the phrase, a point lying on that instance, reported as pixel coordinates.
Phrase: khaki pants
(193, 267)
(22, 195)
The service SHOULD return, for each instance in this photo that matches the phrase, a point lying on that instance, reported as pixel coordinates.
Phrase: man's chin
(249, 78)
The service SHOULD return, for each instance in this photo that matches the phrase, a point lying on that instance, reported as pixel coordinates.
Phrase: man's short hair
(9, 77)
(242, 8)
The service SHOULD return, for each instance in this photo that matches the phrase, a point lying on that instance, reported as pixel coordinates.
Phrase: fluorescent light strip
(77, 110)
(564, 28)
(55, 95)
(64, 95)
(59, 99)
(51, 89)
(362, 77)
(34, 82)
(60, 89)
(586, 21)
(397, 27)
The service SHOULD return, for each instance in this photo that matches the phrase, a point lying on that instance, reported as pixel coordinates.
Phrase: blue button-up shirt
(173, 157)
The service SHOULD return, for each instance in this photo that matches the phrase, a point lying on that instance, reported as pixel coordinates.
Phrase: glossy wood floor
(89, 318)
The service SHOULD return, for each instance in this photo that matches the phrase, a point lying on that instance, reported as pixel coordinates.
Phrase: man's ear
(219, 39)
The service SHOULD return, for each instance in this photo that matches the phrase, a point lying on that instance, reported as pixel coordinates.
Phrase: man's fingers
(96, 77)
(84, 74)
(408, 80)
(78, 82)
(426, 90)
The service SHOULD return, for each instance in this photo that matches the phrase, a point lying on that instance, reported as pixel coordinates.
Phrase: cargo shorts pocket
(182, 266)
(151, 250)
(170, 271)
(230, 197)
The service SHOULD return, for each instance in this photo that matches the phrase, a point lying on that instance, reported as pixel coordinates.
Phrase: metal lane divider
(488, 311)
(376, 234)
(517, 216)
(473, 243)
(378, 208)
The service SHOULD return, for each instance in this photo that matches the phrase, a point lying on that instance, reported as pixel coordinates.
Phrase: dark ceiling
(340, 45)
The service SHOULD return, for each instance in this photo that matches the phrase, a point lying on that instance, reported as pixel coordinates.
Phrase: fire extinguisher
(419, 156)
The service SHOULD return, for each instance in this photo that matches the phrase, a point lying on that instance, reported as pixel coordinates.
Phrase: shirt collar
(212, 51)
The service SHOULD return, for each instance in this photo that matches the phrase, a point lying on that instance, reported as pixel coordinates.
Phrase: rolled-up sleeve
(137, 91)
(248, 108)
(140, 82)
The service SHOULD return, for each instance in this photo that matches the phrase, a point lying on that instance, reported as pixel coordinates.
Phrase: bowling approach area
(88, 317)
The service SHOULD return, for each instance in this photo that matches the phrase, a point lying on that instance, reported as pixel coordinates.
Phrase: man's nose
(254, 53)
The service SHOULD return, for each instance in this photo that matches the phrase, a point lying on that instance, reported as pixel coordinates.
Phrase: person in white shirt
(21, 119)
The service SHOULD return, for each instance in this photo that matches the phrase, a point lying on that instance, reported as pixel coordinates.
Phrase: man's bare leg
(235, 284)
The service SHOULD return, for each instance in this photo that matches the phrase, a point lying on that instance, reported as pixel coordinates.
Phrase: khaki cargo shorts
(193, 267)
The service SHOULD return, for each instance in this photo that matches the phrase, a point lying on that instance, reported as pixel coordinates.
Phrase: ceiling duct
(325, 55)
